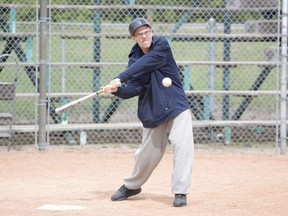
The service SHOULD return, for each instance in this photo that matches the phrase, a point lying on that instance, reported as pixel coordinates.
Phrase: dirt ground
(226, 181)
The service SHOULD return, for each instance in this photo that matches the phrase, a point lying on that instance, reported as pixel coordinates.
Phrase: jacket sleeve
(154, 59)
(132, 89)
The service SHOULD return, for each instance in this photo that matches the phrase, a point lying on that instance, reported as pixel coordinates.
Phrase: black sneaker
(123, 193)
(180, 200)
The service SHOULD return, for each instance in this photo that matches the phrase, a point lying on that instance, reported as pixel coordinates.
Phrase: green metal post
(185, 16)
(183, 19)
(256, 85)
(29, 52)
(186, 79)
(97, 57)
(129, 2)
(12, 24)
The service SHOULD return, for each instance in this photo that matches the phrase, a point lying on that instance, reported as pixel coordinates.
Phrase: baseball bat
(78, 101)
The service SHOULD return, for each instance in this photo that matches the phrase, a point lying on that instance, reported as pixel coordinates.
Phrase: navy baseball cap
(136, 23)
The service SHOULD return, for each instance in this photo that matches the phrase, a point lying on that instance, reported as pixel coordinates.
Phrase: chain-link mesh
(227, 53)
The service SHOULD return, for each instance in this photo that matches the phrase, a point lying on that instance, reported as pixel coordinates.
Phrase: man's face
(143, 36)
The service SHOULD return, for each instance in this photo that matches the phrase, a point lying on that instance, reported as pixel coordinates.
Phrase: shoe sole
(124, 198)
(174, 205)
(121, 199)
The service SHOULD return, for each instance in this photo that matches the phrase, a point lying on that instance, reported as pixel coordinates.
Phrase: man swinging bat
(163, 111)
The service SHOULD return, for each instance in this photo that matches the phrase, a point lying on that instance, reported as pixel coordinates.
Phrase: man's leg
(181, 137)
(147, 156)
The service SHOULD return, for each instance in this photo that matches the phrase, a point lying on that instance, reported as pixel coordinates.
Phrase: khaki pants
(179, 131)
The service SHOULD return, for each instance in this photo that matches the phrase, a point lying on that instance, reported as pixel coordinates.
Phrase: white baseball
(166, 82)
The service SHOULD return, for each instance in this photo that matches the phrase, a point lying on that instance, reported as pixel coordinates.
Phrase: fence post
(42, 141)
(226, 75)
(283, 132)
(211, 69)
(209, 99)
(64, 115)
(97, 58)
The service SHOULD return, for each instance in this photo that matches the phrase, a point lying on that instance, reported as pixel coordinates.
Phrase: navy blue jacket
(143, 77)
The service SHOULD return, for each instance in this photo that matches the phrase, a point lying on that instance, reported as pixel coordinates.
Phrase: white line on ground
(57, 207)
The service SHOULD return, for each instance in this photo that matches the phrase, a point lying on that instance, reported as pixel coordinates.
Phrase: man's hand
(115, 83)
(113, 86)
(107, 89)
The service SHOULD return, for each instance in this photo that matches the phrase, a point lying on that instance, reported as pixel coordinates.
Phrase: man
(163, 111)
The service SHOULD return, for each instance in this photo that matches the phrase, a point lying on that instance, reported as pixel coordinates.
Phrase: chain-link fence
(227, 53)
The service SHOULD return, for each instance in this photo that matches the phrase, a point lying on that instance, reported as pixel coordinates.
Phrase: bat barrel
(65, 107)
(78, 101)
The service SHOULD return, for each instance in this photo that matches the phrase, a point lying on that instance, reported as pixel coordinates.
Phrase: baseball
(166, 82)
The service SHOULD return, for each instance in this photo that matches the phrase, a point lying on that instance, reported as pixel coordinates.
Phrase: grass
(81, 80)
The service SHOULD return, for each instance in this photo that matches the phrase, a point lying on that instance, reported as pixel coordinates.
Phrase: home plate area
(58, 207)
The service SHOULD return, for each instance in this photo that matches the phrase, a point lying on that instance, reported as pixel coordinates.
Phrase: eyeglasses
(146, 33)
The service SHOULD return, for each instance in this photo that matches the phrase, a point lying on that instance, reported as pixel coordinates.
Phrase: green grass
(81, 51)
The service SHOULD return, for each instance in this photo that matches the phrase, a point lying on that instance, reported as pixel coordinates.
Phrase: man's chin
(146, 45)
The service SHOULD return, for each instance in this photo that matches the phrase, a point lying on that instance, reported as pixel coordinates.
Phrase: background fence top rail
(183, 63)
(201, 37)
(140, 7)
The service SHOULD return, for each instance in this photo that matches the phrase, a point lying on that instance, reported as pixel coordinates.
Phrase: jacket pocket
(151, 109)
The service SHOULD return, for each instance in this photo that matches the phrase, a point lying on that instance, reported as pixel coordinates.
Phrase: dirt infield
(225, 182)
